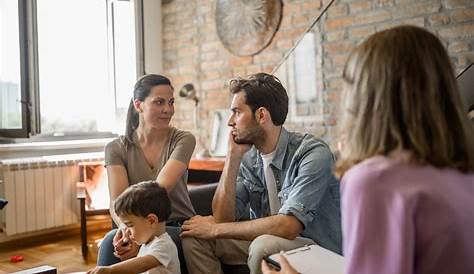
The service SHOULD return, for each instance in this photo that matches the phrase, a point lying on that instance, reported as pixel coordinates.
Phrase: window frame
(25, 104)
(29, 71)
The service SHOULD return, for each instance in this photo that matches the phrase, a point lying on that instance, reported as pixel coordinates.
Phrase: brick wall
(193, 53)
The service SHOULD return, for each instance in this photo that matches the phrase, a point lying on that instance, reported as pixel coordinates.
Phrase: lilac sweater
(400, 218)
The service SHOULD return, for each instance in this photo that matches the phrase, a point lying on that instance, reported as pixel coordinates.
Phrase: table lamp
(189, 92)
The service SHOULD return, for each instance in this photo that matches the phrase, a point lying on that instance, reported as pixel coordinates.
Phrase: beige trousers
(205, 256)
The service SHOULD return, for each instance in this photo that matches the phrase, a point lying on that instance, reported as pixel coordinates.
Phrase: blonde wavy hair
(400, 93)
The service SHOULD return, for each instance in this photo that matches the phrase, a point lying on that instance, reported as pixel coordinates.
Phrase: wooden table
(208, 164)
(206, 170)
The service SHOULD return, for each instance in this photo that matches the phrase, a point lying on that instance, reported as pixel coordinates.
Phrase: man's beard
(252, 136)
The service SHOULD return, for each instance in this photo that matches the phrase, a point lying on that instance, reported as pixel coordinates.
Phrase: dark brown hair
(140, 92)
(142, 199)
(263, 90)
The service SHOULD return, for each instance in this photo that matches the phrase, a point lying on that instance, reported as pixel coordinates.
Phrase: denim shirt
(307, 189)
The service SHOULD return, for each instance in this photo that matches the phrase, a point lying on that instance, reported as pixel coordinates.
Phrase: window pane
(10, 89)
(125, 58)
(75, 91)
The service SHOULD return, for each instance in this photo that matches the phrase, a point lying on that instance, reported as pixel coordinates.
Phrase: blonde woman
(407, 159)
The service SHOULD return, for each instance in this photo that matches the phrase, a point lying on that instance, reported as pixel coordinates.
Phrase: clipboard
(313, 259)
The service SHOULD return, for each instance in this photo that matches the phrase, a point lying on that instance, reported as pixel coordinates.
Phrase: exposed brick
(267, 57)
(419, 21)
(384, 3)
(335, 35)
(458, 46)
(338, 23)
(238, 61)
(361, 32)
(373, 17)
(463, 15)
(439, 19)
(461, 31)
(170, 35)
(462, 60)
(208, 56)
(170, 18)
(251, 69)
(340, 47)
(285, 22)
(339, 60)
(297, 32)
(312, 5)
(239, 71)
(335, 84)
(390, 24)
(416, 9)
(167, 9)
(210, 46)
(360, 6)
(284, 44)
(268, 68)
(187, 51)
(334, 95)
(219, 63)
(193, 53)
(218, 93)
(300, 21)
(208, 75)
(338, 10)
(458, 3)
(291, 9)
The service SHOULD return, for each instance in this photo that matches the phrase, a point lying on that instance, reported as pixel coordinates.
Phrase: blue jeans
(106, 251)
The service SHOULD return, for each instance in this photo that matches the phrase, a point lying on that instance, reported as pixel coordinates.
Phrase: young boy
(144, 208)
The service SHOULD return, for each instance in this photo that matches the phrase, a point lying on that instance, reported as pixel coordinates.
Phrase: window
(10, 82)
(81, 64)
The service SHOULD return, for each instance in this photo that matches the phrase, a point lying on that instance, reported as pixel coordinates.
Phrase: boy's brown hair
(142, 199)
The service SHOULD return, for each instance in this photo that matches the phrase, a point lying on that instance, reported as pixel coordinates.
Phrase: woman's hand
(123, 246)
(286, 268)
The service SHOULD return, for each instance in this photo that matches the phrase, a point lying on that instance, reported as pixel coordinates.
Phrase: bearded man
(277, 191)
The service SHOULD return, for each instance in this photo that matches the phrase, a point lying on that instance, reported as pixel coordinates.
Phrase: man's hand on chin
(235, 149)
(203, 227)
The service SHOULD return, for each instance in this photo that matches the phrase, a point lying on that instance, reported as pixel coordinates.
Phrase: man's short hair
(263, 90)
(142, 199)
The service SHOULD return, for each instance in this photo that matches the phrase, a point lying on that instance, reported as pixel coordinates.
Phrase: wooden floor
(64, 254)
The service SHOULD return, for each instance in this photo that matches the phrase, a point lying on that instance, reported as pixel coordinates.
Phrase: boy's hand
(120, 236)
(127, 250)
(100, 270)
(123, 246)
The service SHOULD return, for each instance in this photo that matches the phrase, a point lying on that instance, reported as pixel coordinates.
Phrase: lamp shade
(189, 92)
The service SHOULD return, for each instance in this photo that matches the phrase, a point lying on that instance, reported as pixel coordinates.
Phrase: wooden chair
(84, 211)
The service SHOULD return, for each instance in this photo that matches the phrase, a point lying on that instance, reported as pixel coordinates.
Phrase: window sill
(8, 151)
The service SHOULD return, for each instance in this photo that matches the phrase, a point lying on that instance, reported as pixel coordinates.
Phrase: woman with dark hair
(151, 149)
(407, 159)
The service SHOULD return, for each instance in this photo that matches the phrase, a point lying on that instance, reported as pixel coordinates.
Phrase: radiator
(41, 194)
